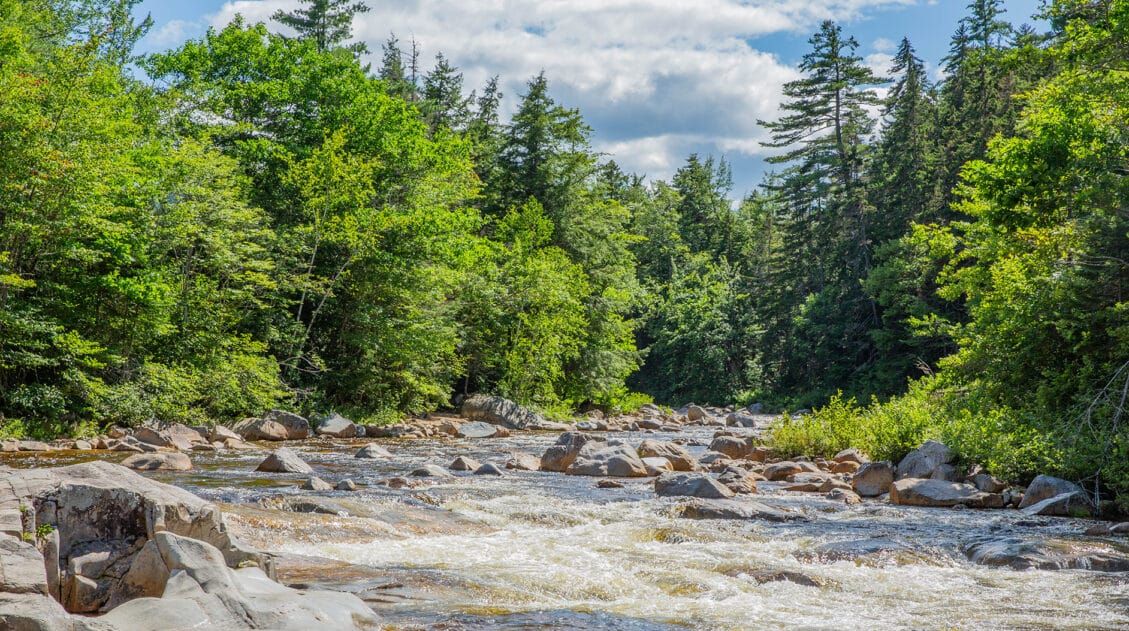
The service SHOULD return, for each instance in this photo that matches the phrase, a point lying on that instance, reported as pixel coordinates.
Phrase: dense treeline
(253, 220)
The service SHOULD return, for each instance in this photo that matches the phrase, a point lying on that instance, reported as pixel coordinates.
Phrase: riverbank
(562, 550)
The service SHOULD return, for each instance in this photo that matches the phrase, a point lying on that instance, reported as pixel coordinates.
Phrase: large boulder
(283, 460)
(923, 461)
(1072, 504)
(164, 461)
(276, 425)
(734, 509)
(499, 411)
(1045, 487)
(679, 458)
(201, 591)
(941, 493)
(617, 460)
(337, 426)
(873, 479)
(782, 470)
(735, 447)
(696, 413)
(174, 436)
(476, 429)
(560, 456)
(690, 485)
(103, 521)
(736, 419)
(1047, 554)
(520, 461)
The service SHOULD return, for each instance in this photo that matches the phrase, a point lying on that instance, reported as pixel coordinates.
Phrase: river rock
(373, 451)
(921, 462)
(337, 426)
(560, 456)
(734, 509)
(499, 411)
(852, 550)
(283, 460)
(987, 483)
(175, 436)
(738, 480)
(696, 413)
(735, 447)
(314, 483)
(657, 465)
(488, 469)
(276, 425)
(782, 470)
(940, 493)
(519, 461)
(690, 485)
(430, 471)
(33, 445)
(679, 458)
(220, 434)
(1072, 504)
(463, 463)
(1045, 487)
(1048, 554)
(346, 485)
(476, 429)
(851, 455)
(21, 567)
(609, 484)
(847, 496)
(607, 459)
(165, 461)
(806, 482)
(873, 479)
(736, 419)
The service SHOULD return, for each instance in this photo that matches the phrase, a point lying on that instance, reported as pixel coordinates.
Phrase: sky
(656, 80)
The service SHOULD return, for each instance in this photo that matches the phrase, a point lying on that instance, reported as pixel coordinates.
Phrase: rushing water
(544, 550)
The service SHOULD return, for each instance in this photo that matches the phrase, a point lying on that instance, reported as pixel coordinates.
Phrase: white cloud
(883, 45)
(657, 79)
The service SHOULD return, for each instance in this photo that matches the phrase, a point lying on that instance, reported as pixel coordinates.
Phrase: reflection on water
(541, 550)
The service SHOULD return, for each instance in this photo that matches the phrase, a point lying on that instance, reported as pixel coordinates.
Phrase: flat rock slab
(940, 493)
(21, 567)
(1049, 554)
(735, 509)
(164, 461)
(476, 429)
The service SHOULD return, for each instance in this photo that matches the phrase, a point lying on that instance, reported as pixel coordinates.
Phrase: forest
(257, 220)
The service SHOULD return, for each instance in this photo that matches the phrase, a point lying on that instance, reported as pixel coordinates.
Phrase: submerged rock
(373, 451)
(1050, 554)
(734, 509)
(430, 471)
(488, 469)
(852, 550)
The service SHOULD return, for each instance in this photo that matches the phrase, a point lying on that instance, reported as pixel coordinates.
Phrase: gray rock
(346, 485)
(657, 465)
(735, 419)
(921, 462)
(560, 456)
(261, 429)
(1072, 504)
(337, 426)
(734, 447)
(679, 458)
(1045, 487)
(476, 429)
(734, 509)
(940, 493)
(33, 445)
(430, 471)
(523, 462)
(314, 483)
(873, 479)
(164, 461)
(462, 463)
(851, 550)
(690, 485)
(607, 459)
(373, 451)
(488, 469)
(297, 428)
(21, 567)
(987, 483)
(499, 411)
(738, 480)
(221, 434)
(851, 455)
(283, 460)
(1048, 554)
(782, 470)
(696, 413)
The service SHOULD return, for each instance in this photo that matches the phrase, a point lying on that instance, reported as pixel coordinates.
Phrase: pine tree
(327, 22)
(443, 104)
(393, 71)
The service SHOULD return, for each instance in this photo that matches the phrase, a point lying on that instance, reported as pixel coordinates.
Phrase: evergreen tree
(443, 105)
(327, 23)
